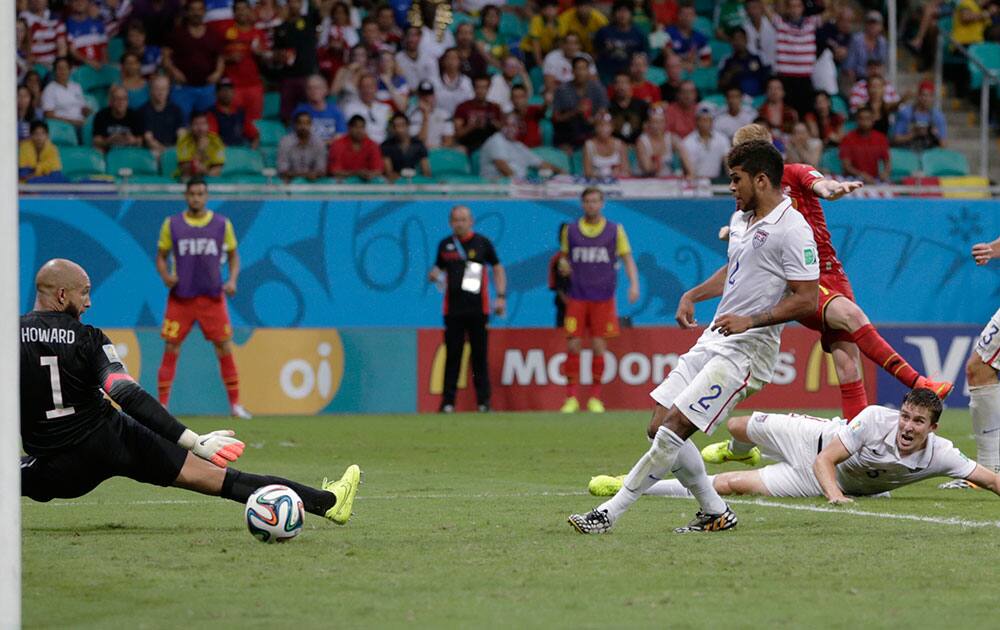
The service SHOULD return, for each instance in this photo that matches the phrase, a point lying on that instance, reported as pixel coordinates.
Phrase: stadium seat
(473, 162)
(512, 27)
(706, 80)
(839, 106)
(758, 101)
(656, 75)
(459, 18)
(717, 100)
(537, 79)
(545, 127)
(966, 182)
(87, 132)
(448, 161)
(904, 163)
(93, 102)
(150, 179)
(720, 50)
(705, 8)
(271, 132)
(554, 156)
(139, 160)
(116, 48)
(240, 178)
(460, 178)
(62, 133)
(242, 161)
(577, 163)
(168, 162)
(943, 163)
(99, 96)
(988, 54)
(704, 25)
(81, 162)
(272, 105)
(90, 79)
(830, 161)
(270, 156)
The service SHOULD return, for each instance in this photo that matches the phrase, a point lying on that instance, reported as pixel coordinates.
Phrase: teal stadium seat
(839, 105)
(537, 79)
(830, 161)
(903, 163)
(945, 163)
(554, 156)
(62, 133)
(706, 80)
(271, 132)
(545, 127)
(988, 54)
(446, 161)
(168, 163)
(656, 75)
(242, 161)
(116, 48)
(90, 79)
(577, 163)
(272, 105)
(720, 50)
(704, 26)
(81, 162)
(270, 156)
(88, 130)
(141, 161)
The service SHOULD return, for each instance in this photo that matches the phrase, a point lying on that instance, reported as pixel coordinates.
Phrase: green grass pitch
(461, 522)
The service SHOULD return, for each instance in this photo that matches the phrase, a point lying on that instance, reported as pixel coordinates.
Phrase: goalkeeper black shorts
(120, 448)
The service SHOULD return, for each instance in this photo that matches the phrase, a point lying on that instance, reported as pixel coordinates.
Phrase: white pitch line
(935, 520)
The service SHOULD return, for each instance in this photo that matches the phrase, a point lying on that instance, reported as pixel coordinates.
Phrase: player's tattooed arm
(763, 318)
(800, 301)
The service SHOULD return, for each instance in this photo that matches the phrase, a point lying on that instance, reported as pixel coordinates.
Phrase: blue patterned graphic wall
(364, 263)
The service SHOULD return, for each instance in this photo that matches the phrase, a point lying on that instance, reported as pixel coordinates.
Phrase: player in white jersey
(880, 450)
(770, 278)
(981, 376)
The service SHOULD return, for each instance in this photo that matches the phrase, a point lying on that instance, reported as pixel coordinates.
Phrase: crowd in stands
(328, 89)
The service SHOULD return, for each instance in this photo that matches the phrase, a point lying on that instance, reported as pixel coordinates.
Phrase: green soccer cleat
(344, 489)
(572, 405)
(605, 485)
(719, 453)
(594, 405)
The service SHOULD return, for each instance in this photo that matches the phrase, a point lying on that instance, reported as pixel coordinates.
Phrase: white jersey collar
(774, 216)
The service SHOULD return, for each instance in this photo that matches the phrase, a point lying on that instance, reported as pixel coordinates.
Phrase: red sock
(165, 377)
(597, 368)
(873, 346)
(230, 378)
(571, 369)
(853, 398)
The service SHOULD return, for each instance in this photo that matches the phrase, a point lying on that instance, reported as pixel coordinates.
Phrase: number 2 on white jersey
(53, 364)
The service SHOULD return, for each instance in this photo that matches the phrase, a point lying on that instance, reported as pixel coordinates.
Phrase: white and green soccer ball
(275, 514)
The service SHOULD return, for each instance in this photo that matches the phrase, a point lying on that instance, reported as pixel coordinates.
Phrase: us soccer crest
(759, 238)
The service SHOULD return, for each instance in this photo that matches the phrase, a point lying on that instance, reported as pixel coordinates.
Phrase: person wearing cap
(706, 148)
(229, 121)
(414, 64)
(919, 126)
(428, 122)
(867, 44)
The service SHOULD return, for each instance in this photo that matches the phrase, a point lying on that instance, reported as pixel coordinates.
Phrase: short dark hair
(356, 118)
(591, 190)
(197, 180)
(756, 157)
(623, 74)
(518, 87)
(301, 114)
(480, 77)
(235, 2)
(925, 399)
(39, 124)
(399, 115)
(581, 59)
(199, 114)
(864, 108)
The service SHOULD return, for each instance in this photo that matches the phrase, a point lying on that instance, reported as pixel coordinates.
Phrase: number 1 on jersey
(53, 364)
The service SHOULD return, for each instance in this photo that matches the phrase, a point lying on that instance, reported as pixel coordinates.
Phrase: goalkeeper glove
(218, 447)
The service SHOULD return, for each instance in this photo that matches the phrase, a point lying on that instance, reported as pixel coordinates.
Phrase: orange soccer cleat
(942, 389)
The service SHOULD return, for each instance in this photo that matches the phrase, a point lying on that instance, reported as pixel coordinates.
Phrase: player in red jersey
(844, 328)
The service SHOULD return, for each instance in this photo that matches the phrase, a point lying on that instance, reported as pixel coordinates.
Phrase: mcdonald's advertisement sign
(526, 364)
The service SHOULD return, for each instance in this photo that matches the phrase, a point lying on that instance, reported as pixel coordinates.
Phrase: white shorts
(705, 386)
(988, 345)
(793, 440)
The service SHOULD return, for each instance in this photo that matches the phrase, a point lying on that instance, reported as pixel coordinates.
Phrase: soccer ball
(274, 514)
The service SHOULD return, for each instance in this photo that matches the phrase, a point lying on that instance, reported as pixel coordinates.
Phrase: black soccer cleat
(593, 522)
(710, 522)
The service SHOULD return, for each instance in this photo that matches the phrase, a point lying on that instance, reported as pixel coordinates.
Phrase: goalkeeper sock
(230, 378)
(571, 369)
(238, 486)
(690, 471)
(873, 346)
(650, 468)
(984, 403)
(853, 398)
(597, 370)
(165, 377)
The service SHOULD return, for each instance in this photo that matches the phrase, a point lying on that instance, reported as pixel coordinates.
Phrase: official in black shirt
(462, 266)
(75, 439)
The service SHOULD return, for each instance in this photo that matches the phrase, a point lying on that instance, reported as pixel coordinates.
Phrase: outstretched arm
(711, 288)
(985, 478)
(832, 190)
(825, 469)
(983, 252)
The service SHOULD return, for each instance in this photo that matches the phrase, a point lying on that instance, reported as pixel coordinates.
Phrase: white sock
(690, 471)
(739, 449)
(670, 488)
(650, 468)
(984, 403)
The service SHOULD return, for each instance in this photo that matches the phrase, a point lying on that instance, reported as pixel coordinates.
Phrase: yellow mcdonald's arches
(127, 345)
(437, 369)
(290, 370)
(814, 368)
